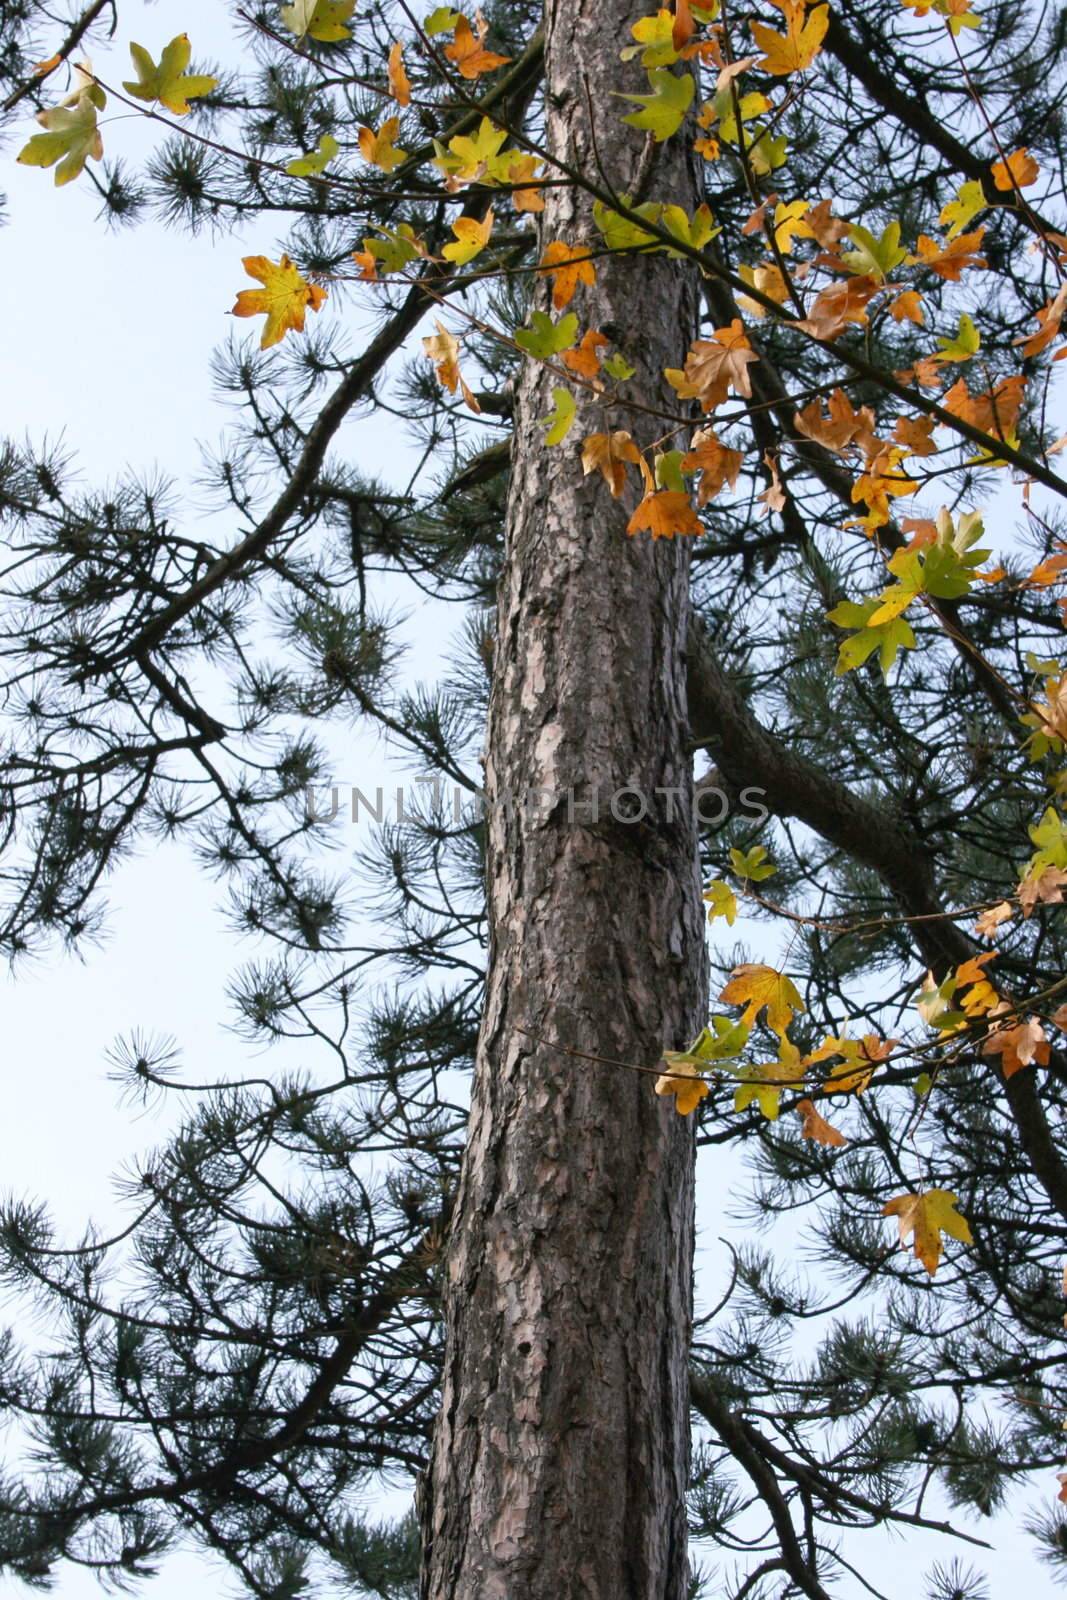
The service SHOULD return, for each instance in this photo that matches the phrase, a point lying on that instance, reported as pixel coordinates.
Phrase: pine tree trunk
(562, 1448)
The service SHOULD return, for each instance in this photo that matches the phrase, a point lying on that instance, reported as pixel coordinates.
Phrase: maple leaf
(926, 1217)
(827, 229)
(814, 1126)
(585, 360)
(399, 82)
(1017, 171)
(665, 512)
(871, 257)
(685, 1084)
(995, 412)
(468, 156)
(857, 1060)
(168, 82)
(284, 298)
(914, 434)
(722, 902)
(663, 111)
(468, 50)
(764, 1083)
(888, 638)
(442, 348)
(567, 268)
(773, 497)
(323, 20)
(547, 338)
(762, 988)
(317, 161)
(717, 464)
(71, 137)
(951, 259)
(841, 426)
(1018, 1045)
(970, 200)
(769, 280)
(608, 453)
(472, 237)
(379, 148)
(714, 366)
(561, 418)
(964, 344)
(1042, 888)
(398, 247)
(834, 308)
(525, 199)
(1048, 324)
(907, 307)
(797, 48)
(991, 920)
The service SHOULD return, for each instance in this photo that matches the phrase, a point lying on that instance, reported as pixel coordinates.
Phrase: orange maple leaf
(586, 359)
(442, 348)
(995, 412)
(950, 260)
(525, 199)
(1048, 325)
(665, 512)
(399, 82)
(608, 453)
(814, 1126)
(834, 308)
(1018, 1045)
(284, 298)
(714, 366)
(1017, 171)
(567, 268)
(468, 52)
(991, 919)
(716, 462)
(841, 426)
(914, 434)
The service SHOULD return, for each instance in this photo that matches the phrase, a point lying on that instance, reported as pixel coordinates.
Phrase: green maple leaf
(71, 136)
(168, 82)
(888, 638)
(547, 338)
(317, 161)
(964, 344)
(663, 111)
(561, 417)
(873, 257)
(442, 20)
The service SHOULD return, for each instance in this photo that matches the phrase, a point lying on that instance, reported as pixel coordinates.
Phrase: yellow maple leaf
(764, 1083)
(685, 1084)
(284, 298)
(70, 138)
(926, 1217)
(323, 20)
(797, 48)
(758, 988)
(471, 239)
(379, 148)
(442, 348)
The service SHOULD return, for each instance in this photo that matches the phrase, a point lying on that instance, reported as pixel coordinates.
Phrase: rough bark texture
(562, 1447)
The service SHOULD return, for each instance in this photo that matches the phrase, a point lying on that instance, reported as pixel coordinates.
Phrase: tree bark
(561, 1452)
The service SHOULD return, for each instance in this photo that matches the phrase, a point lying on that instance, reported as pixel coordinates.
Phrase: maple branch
(78, 31)
(747, 752)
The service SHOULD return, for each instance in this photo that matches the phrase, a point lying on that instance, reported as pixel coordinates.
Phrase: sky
(110, 351)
